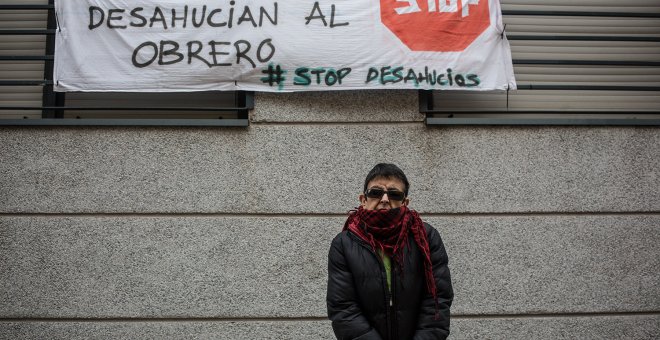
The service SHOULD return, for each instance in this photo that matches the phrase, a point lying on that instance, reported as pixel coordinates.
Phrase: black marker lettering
(433, 78)
(410, 76)
(262, 13)
(332, 19)
(111, 18)
(302, 78)
(372, 75)
(475, 80)
(243, 53)
(174, 50)
(137, 50)
(194, 16)
(331, 78)
(342, 73)
(247, 16)
(195, 53)
(209, 20)
(184, 18)
(398, 76)
(384, 72)
(318, 73)
(214, 53)
(92, 10)
(460, 81)
(142, 20)
(158, 16)
(311, 16)
(231, 13)
(272, 51)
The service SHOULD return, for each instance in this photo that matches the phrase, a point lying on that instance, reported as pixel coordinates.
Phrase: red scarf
(388, 230)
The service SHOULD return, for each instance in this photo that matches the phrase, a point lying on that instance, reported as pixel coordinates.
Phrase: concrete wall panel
(553, 264)
(595, 327)
(179, 330)
(320, 168)
(141, 266)
(349, 106)
(162, 267)
(538, 328)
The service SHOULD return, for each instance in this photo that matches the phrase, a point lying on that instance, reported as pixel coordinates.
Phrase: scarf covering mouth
(388, 231)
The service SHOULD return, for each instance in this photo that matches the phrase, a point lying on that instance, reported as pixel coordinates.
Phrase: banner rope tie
(57, 21)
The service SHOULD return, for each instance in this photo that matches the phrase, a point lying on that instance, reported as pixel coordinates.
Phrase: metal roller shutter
(592, 57)
(25, 45)
(26, 96)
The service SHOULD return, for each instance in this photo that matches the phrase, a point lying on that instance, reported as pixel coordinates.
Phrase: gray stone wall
(189, 233)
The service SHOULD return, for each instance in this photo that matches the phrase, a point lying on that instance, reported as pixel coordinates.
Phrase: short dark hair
(387, 170)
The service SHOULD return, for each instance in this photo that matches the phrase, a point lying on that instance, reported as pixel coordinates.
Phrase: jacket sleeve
(428, 327)
(348, 322)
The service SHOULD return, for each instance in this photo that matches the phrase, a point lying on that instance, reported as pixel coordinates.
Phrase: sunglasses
(393, 194)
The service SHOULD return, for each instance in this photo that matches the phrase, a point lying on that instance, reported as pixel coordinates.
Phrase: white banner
(262, 45)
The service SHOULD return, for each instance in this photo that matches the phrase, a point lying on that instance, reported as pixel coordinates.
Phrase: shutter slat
(15, 44)
(33, 45)
(525, 24)
(550, 100)
(633, 6)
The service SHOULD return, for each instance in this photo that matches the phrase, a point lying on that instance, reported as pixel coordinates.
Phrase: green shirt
(387, 262)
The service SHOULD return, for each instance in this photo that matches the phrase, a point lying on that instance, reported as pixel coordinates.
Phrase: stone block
(634, 327)
(319, 169)
(339, 106)
(271, 267)
(553, 264)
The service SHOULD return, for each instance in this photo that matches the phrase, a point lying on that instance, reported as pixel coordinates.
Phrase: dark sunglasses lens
(395, 195)
(375, 193)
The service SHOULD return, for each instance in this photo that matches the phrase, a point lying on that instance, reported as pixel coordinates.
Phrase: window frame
(429, 108)
(53, 104)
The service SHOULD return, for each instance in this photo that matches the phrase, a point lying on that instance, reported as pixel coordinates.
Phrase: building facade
(173, 232)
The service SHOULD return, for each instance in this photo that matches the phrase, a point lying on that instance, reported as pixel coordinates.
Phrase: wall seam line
(332, 123)
(299, 319)
(320, 215)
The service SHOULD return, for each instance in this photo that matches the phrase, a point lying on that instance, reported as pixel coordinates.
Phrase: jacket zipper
(393, 325)
(389, 299)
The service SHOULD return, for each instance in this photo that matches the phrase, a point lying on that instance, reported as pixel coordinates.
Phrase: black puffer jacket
(360, 305)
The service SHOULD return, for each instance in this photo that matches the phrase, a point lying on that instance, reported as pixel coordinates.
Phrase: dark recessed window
(573, 65)
(27, 35)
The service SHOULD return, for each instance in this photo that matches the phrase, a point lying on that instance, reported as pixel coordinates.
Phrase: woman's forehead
(386, 182)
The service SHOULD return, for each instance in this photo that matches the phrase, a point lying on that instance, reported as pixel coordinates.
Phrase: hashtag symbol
(273, 75)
